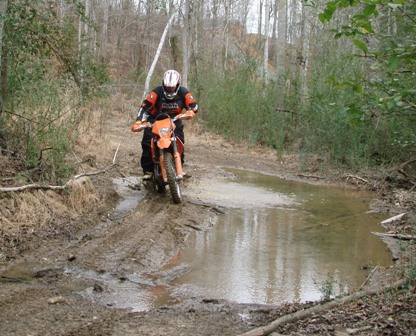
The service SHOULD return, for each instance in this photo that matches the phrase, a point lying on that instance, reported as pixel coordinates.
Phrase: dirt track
(39, 290)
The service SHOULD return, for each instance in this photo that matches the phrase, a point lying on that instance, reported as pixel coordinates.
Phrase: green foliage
(43, 124)
(355, 115)
(362, 110)
(345, 123)
(94, 75)
(34, 31)
(392, 50)
(160, 6)
(242, 107)
(45, 77)
(329, 287)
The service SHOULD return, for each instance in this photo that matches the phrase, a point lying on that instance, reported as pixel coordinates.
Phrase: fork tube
(178, 161)
(162, 166)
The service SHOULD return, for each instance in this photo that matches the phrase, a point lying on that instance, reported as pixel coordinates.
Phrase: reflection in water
(279, 241)
(287, 253)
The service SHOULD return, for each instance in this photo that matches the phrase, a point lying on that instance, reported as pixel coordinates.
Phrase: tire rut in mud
(142, 241)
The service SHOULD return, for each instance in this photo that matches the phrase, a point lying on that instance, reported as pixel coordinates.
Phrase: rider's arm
(142, 115)
(190, 102)
(147, 106)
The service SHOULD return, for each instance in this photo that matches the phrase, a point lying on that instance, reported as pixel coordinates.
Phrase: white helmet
(171, 83)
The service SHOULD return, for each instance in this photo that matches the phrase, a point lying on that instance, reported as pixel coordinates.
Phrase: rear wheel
(173, 181)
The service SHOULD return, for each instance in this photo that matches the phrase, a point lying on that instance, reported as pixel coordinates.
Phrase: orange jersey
(155, 103)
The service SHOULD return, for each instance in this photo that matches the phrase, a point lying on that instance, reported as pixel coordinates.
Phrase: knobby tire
(173, 182)
(158, 181)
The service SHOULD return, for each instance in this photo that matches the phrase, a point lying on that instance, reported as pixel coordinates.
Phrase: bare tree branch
(115, 154)
(159, 49)
(395, 235)
(54, 187)
(392, 219)
(319, 308)
(357, 178)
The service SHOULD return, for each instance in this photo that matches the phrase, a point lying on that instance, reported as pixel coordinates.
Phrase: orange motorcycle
(167, 151)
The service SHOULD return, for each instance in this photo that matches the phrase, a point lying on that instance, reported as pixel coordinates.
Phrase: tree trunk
(159, 49)
(104, 30)
(196, 29)
(260, 22)
(186, 31)
(226, 37)
(281, 46)
(244, 16)
(3, 59)
(266, 40)
(303, 57)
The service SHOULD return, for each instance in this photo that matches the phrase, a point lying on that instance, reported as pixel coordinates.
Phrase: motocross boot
(147, 176)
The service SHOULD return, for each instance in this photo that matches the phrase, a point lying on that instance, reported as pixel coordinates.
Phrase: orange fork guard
(180, 145)
(178, 158)
(162, 168)
(161, 165)
(178, 164)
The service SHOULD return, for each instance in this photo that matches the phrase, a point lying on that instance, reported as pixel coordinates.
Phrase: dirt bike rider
(170, 98)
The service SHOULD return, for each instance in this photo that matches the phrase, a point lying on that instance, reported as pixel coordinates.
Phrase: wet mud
(110, 276)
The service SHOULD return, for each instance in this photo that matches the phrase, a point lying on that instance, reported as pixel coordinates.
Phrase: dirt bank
(86, 239)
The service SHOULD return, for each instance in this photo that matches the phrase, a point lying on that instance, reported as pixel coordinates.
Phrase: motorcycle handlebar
(150, 124)
(179, 117)
(141, 127)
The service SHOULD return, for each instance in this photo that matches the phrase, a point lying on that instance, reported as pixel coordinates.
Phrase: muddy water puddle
(300, 243)
(278, 241)
(127, 188)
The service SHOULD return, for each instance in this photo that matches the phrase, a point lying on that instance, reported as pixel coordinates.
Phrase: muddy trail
(82, 278)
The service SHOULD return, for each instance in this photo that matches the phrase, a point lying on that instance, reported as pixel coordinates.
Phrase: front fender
(164, 143)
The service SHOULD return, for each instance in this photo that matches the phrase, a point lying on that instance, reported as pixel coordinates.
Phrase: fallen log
(311, 176)
(368, 278)
(54, 187)
(392, 219)
(193, 227)
(357, 178)
(302, 314)
(395, 235)
(214, 208)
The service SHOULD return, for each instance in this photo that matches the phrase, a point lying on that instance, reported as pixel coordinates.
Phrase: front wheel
(173, 181)
(158, 181)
